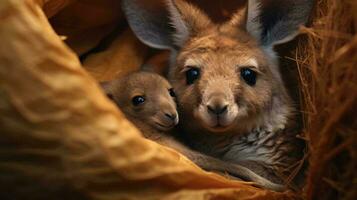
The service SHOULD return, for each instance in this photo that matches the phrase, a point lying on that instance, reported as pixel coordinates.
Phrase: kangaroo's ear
(276, 21)
(166, 24)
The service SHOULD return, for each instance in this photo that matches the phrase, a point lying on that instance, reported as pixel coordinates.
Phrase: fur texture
(150, 117)
(257, 124)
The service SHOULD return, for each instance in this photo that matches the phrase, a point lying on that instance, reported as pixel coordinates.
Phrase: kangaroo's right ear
(274, 22)
(166, 24)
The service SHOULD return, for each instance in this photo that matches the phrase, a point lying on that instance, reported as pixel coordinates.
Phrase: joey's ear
(106, 86)
(274, 22)
(166, 24)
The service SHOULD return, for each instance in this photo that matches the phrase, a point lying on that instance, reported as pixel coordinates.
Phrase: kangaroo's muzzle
(217, 111)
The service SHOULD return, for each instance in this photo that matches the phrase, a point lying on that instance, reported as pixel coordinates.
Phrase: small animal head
(145, 97)
(225, 75)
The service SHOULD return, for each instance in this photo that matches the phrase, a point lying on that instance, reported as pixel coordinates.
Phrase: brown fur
(220, 58)
(155, 89)
(220, 51)
(249, 123)
(158, 102)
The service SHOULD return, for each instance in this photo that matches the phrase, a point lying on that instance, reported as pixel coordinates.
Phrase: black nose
(171, 116)
(217, 109)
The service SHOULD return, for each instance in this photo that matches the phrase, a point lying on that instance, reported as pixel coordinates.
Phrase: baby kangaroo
(232, 101)
(148, 100)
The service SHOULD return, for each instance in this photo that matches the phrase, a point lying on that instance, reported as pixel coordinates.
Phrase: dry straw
(56, 142)
(327, 63)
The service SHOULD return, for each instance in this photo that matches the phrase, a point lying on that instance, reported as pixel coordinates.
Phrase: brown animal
(232, 100)
(147, 100)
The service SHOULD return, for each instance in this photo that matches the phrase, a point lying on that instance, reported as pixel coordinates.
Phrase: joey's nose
(171, 116)
(217, 109)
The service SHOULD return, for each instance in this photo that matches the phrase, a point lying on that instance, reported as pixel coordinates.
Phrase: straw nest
(327, 66)
(64, 139)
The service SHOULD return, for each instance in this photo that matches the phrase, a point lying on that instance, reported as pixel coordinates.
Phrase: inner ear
(150, 21)
(274, 22)
(165, 24)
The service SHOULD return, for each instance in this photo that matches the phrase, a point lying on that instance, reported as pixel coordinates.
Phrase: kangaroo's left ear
(274, 22)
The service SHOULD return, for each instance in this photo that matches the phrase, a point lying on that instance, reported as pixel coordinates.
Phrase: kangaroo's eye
(249, 76)
(137, 100)
(172, 92)
(192, 74)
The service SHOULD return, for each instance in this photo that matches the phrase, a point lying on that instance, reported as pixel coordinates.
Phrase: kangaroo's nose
(217, 109)
(217, 104)
(171, 116)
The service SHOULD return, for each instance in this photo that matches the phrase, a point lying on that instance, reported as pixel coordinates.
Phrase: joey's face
(222, 82)
(146, 97)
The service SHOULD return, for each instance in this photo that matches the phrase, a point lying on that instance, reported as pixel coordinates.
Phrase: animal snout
(171, 116)
(217, 105)
(168, 117)
(217, 109)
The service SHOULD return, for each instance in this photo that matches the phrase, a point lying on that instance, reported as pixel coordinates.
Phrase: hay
(64, 148)
(327, 63)
(61, 138)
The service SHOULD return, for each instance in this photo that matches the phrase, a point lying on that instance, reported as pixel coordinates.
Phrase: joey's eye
(249, 76)
(137, 100)
(172, 92)
(192, 74)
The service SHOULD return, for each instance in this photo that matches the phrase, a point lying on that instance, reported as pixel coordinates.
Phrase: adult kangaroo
(231, 98)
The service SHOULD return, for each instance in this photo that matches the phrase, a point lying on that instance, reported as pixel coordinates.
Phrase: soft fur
(259, 126)
(149, 118)
(155, 89)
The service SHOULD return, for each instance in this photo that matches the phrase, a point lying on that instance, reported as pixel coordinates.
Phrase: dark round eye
(249, 76)
(192, 74)
(172, 92)
(137, 100)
